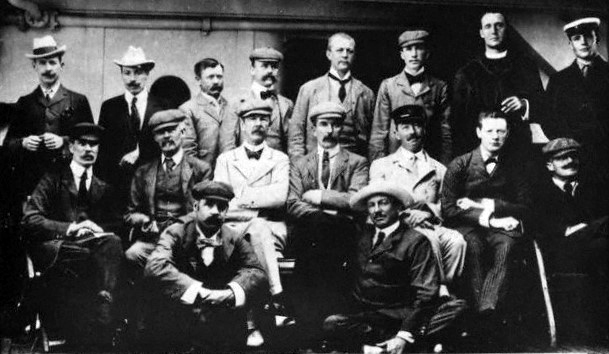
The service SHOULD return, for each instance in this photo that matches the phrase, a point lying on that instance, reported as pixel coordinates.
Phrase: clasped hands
(224, 297)
(83, 229)
(48, 140)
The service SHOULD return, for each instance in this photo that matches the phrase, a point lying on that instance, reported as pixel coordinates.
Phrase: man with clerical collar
(321, 184)
(572, 224)
(37, 137)
(412, 167)
(264, 70)
(500, 79)
(259, 175)
(128, 140)
(578, 95)
(209, 272)
(339, 86)
(393, 304)
(69, 222)
(486, 196)
(206, 112)
(414, 85)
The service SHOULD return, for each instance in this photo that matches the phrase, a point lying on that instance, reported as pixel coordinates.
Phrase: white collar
(215, 237)
(52, 90)
(422, 70)
(487, 155)
(177, 157)
(408, 155)
(389, 229)
(581, 62)
(257, 88)
(78, 170)
(331, 152)
(211, 98)
(254, 148)
(561, 183)
(335, 73)
(492, 55)
(141, 96)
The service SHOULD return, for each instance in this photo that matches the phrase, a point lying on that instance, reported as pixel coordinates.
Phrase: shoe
(255, 339)
(104, 307)
(282, 319)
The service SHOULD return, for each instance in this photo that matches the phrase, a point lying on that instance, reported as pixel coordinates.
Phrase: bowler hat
(86, 128)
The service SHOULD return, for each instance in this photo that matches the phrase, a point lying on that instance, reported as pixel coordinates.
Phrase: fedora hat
(359, 200)
(134, 56)
(45, 47)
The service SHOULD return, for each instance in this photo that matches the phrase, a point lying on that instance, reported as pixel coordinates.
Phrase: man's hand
(512, 104)
(415, 218)
(31, 143)
(312, 196)
(83, 228)
(138, 219)
(507, 223)
(395, 345)
(218, 297)
(130, 158)
(52, 141)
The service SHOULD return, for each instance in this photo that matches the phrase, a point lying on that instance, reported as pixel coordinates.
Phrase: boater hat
(45, 47)
(582, 25)
(359, 200)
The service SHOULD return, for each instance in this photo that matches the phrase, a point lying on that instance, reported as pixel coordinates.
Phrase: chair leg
(546, 295)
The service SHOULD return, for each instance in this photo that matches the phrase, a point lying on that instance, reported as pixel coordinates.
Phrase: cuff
(317, 197)
(190, 295)
(239, 293)
(525, 116)
(405, 335)
(70, 229)
(485, 217)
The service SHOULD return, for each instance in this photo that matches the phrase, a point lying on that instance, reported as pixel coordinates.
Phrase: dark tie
(169, 164)
(342, 91)
(47, 97)
(267, 94)
(135, 115)
(569, 189)
(414, 79)
(83, 193)
(490, 164)
(253, 154)
(325, 169)
(585, 70)
(379, 239)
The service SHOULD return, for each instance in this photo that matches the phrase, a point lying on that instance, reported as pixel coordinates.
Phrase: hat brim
(562, 152)
(256, 112)
(59, 51)
(165, 125)
(148, 63)
(359, 200)
(327, 116)
(414, 41)
(582, 23)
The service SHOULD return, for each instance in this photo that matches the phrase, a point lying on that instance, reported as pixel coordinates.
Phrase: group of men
(362, 191)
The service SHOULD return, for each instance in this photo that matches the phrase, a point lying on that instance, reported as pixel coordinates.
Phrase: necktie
(253, 154)
(342, 91)
(569, 189)
(83, 194)
(379, 239)
(169, 164)
(414, 167)
(135, 114)
(325, 169)
(490, 164)
(585, 70)
(47, 97)
(267, 94)
(414, 79)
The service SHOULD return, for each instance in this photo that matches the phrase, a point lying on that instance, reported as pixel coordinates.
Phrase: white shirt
(142, 102)
(493, 55)
(254, 148)
(177, 158)
(320, 154)
(335, 85)
(387, 231)
(50, 91)
(416, 87)
(485, 156)
(257, 88)
(412, 158)
(77, 171)
(561, 184)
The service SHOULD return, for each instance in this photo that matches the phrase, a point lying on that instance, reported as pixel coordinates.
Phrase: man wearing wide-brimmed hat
(38, 136)
(128, 140)
(396, 279)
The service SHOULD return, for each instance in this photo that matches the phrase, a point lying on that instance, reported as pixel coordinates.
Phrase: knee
(136, 254)
(334, 322)
(454, 241)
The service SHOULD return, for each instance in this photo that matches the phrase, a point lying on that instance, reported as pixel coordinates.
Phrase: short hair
(206, 63)
(339, 35)
(492, 115)
(492, 11)
(58, 56)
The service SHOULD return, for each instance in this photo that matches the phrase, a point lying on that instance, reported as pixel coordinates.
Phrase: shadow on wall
(172, 90)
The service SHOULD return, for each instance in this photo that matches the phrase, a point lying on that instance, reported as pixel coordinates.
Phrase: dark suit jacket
(176, 262)
(34, 116)
(143, 185)
(52, 208)
(120, 137)
(350, 174)
(399, 278)
(466, 176)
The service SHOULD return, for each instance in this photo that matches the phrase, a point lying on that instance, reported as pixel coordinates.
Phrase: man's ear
(478, 132)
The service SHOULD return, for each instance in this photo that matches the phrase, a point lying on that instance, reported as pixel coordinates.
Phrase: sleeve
(379, 134)
(445, 128)
(189, 143)
(137, 199)
(296, 206)
(36, 218)
(221, 170)
(376, 170)
(17, 130)
(297, 132)
(520, 202)
(453, 189)
(331, 199)
(229, 130)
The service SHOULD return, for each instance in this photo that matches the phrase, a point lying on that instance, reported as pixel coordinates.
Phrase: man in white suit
(421, 175)
(259, 176)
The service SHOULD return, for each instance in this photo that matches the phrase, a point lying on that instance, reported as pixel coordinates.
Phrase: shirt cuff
(317, 196)
(190, 295)
(70, 229)
(239, 293)
(405, 335)
(525, 116)
(485, 217)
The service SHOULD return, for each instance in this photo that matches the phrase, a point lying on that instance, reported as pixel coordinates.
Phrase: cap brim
(259, 112)
(588, 21)
(59, 51)
(165, 125)
(414, 41)
(562, 152)
(149, 63)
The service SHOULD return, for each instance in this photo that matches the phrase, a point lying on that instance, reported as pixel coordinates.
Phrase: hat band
(44, 50)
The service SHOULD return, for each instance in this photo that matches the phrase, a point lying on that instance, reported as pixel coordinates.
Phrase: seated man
(573, 224)
(259, 175)
(394, 300)
(207, 265)
(486, 197)
(321, 184)
(421, 175)
(68, 222)
(161, 189)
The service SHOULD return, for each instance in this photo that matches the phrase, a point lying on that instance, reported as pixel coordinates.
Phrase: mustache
(133, 85)
(378, 215)
(572, 165)
(329, 138)
(88, 156)
(258, 130)
(270, 76)
(49, 74)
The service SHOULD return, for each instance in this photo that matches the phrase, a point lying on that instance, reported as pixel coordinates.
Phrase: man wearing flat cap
(502, 79)
(421, 175)
(321, 184)
(339, 86)
(577, 95)
(259, 175)
(128, 140)
(265, 70)
(37, 138)
(394, 301)
(208, 271)
(414, 86)
(69, 222)
(572, 224)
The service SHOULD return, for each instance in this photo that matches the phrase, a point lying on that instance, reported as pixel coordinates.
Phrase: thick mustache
(133, 84)
(270, 76)
(48, 74)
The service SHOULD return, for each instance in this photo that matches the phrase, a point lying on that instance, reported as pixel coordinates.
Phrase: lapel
(228, 235)
(96, 190)
(399, 162)
(425, 85)
(150, 104)
(39, 96)
(238, 162)
(59, 96)
(208, 107)
(186, 173)
(425, 167)
(151, 181)
(311, 167)
(340, 165)
(68, 182)
(477, 164)
(389, 241)
(264, 165)
(403, 83)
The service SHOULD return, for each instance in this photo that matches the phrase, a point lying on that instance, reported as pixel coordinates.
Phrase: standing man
(339, 86)
(486, 197)
(37, 138)
(69, 223)
(500, 79)
(578, 96)
(128, 140)
(206, 112)
(265, 70)
(413, 86)
(210, 270)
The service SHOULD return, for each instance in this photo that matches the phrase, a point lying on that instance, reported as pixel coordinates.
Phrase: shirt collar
(491, 55)
(331, 152)
(486, 155)
(335, 73)
(214, 237)
(254, 148)
(407, 154)
(389, 229)
(52, 90)
(422, 70)
(581, 63)
(78, 169)
(142, 96)
(257, 88)
(561, 183)
(177, 157)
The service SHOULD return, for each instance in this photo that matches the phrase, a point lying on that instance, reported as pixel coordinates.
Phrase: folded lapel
(342, 162)
(228, 236)
(264, 165)
(69, 184)
(312, 166)
(388, 242)
(478, 164)
(239, 162)
(186, 174)
(151, 182)
(208, 107)
(59, 96)
(403, 83)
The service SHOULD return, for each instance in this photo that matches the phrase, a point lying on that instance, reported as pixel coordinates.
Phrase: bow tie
(491, 160)
(414, 79)
(203, 242)
(253, 154)
(267, 94)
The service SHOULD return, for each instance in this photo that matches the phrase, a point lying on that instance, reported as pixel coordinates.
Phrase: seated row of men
(219, 241)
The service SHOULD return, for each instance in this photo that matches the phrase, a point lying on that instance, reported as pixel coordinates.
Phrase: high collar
(254, 148)
(335, 73)
(141, 96)
(421, 71)
(389, 229)
(177, 157)
(492, 56)
(211, 98)
(52, 90)
(78, 169)
(487, 155)
(257, 88)
(214, 237)
(331, 152)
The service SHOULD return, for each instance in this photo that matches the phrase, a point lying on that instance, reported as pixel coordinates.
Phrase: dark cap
(266, 54)
(582, 25)
(408, 114)
(81, 129)
(213, 190)
(327, 109)
(409, 37)
(163, 119)
(250, 107)
(560, 146)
